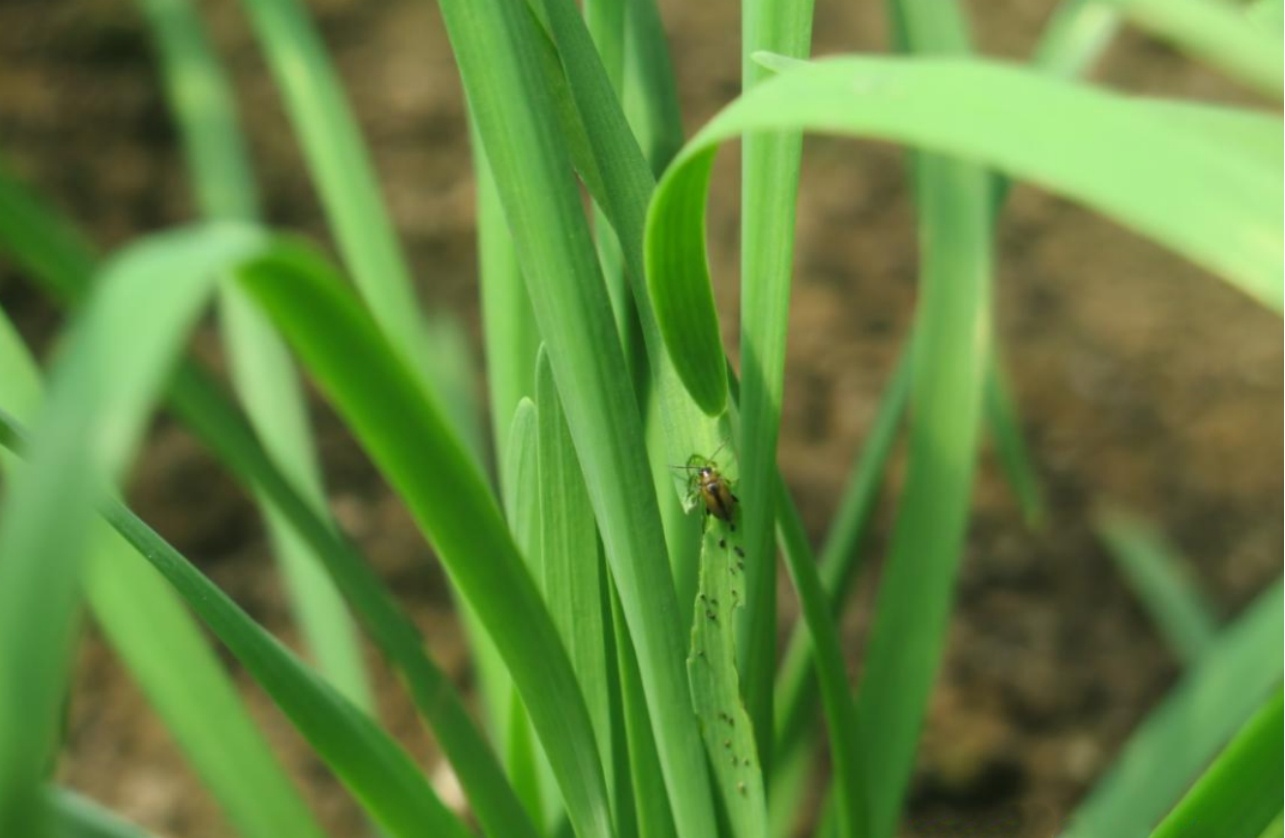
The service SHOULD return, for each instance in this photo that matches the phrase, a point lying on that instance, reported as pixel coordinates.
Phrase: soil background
(1142, 382)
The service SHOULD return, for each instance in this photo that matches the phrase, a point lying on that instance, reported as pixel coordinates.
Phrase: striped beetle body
(715, 490)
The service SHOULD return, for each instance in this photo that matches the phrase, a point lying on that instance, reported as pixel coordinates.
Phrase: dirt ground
(1142, 382)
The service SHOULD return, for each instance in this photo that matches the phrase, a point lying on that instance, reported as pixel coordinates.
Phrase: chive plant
(621, 613)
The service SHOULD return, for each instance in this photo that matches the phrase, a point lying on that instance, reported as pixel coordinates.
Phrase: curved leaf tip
(678, 280)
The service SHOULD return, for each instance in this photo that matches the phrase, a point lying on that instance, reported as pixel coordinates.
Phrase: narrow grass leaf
(42, 242)
(521, 483)
(1188, 728)
(947, 378)
(376, 770)
(491, 678)
(716, 692)
(1219, 34)
(769, 191)
(1275, 829)
(626, 187)
(171, 276)
(950, 354)
(1010, 446)
(612, 26)
(848, 784)
(1075, 37)
(521, 480)
(204, 109)
(214, 419)
(337, 157)
(1240, 794)
(522, 760)
(1160, 581)
(510, 336)
(1199, 198)
(650, 91)
(346, 182)
(407, 436)
(494, 43)
(654, 816)
(839, 563)
(573, 575)
(146, 624)
(385, 779)
(202, 407)
(617, 178)
(617, 175)
(788, 785)
(605, 22)
(79, 817)
(89, 427)
(271, 391)
(685, 313)
(622, 185)
(510, 340)
(623, 804)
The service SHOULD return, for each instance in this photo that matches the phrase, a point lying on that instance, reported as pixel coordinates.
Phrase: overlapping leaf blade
(204, 108)
(89, 427)
(1240, 794)
(408, 438)
(1218, 34)
(495, 47)
(1184, 732)
(769, 189)
(80, 817)
(1204, 199)
(227, 432)
(1176, 605)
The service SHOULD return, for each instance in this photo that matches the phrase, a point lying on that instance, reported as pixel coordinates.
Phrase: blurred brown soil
(1142, 381)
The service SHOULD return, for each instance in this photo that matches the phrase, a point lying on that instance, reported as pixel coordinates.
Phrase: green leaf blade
(204, 108)
(1240, 794)
(79, 817)
(236, 444)
(496, 48)
(716, 692)
(769, 192)
(948, 370)
(840, 560)
(1181, 613)
(1203, 199)
(1179, 737)
(87, 433)
(574, 579)
(341, 166)
(1218, 34)
(407, 436)
(684, 307)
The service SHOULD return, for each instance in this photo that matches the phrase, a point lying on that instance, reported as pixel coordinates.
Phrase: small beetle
(715, 490)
